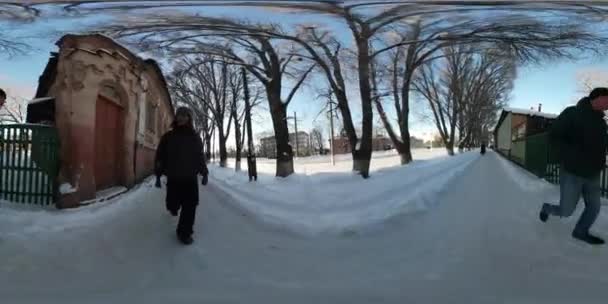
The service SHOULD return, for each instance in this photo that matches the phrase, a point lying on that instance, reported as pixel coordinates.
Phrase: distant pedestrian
(579, 134)
(483, 148)
(180, 157)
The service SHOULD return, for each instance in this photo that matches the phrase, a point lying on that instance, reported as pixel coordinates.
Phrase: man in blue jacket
(579, 134)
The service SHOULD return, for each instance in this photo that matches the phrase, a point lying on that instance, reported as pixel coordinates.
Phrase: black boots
(587, 238)
(543, 213)
(186, 240)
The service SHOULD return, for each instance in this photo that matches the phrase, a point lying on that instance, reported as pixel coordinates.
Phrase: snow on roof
(530, 112)
(40, 99)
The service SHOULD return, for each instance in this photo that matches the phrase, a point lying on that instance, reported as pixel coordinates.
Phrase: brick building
(110, 108)
(379, 143)
(268, 147)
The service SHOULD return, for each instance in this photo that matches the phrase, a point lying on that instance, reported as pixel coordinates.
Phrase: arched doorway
(109, 139)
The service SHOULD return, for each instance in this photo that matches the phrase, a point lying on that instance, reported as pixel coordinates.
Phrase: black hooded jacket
(579, 134)
(180, 154)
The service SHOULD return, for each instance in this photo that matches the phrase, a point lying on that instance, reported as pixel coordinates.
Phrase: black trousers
(182, 193)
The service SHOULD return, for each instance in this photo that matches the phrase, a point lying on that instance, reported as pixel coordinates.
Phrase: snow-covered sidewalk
(480, 241)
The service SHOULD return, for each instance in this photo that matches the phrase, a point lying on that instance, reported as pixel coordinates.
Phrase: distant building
(417, 143)
(304, 146)
(268, 146)
(379, 143)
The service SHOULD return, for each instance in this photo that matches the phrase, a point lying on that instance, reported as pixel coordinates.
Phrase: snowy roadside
(343, 162)
(23, 219)
(337, 203)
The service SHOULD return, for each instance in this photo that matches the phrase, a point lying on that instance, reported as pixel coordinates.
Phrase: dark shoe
(588, 238)
(543, 213)
(173, 212)
(186, 240)
(172, 208)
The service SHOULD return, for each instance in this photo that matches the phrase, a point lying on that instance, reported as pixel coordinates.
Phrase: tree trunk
(208, 148)
(450, 148)
(406, 150)
(401, 147)
(207, 133)
(222, 146)
(347, 122)
(237, 166)
(278, 113)
(238, 141)
(363, 154)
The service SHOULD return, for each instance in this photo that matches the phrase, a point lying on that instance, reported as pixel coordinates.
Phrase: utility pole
(331, 138)
(251, 162)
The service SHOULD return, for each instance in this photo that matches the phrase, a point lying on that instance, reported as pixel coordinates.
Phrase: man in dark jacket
(579, 134)
(180, 157)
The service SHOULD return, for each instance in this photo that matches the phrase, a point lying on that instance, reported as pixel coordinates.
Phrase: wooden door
(108, 143)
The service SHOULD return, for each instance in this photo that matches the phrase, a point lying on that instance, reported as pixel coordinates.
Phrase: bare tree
(238, 111)
(13, 13)
(184, 92)
(207, 80)
(318, 141)
(14, 110)
(237, 43)
(422, 40)
(527, 38)
(369, 23)
(464, 90)
(591, 78)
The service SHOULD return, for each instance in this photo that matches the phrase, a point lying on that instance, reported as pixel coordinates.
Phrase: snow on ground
(481, 242)
(341, 202)
(343, 162)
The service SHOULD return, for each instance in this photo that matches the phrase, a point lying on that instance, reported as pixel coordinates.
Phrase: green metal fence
(541, 160)
(29, 163)
(538, 154)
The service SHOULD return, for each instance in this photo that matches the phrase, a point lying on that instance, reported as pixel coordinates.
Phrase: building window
(151, 117)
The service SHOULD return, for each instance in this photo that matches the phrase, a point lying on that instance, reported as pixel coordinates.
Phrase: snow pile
(527, 181)
(67, 188)
(341, 202)
(24, 219)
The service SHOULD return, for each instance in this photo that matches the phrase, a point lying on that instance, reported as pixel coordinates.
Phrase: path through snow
(482, 244)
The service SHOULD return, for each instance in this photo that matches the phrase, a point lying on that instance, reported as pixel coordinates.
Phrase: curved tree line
(459, 58)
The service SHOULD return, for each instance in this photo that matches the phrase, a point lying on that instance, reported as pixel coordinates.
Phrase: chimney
(540, 106)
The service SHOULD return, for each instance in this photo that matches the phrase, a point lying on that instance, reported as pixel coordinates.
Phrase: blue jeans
(571, 189)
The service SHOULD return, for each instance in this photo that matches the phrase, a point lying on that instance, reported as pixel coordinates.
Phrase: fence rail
(29, 163)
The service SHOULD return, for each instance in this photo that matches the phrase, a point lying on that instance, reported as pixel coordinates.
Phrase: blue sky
(553, 84)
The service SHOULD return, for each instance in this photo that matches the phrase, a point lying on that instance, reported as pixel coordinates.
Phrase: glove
(205, 179)
(157, 185)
